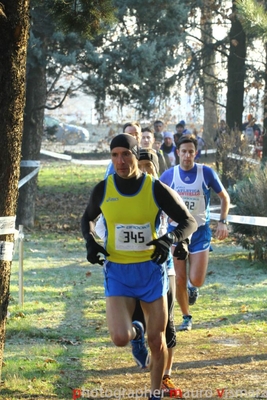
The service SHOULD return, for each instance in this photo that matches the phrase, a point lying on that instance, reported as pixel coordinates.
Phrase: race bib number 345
(132, 237)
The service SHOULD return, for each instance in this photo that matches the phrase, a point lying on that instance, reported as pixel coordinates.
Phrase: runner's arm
(92, 211)
(212, 180)
(172, 204)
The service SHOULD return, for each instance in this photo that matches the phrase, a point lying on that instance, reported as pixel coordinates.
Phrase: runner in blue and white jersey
(193, 182)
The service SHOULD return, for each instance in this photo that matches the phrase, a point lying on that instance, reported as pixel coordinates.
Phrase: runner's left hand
(181, 251)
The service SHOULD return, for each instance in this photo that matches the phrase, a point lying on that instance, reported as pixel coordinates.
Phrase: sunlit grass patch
(63, 178)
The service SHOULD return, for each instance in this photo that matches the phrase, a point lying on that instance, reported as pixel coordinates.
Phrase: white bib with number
(192, 193)
(132, 237)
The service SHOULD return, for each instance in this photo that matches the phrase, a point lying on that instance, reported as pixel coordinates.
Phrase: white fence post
(21, 288)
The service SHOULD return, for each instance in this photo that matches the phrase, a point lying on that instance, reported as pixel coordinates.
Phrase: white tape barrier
(210, 151)
(66, 157)
(240, 219)
(106, 162)
(28, 177)
(238, 157)
(74, 160)
(55, 155)
(90, 162)
(260, 221)
(216, 207)
(27, 163)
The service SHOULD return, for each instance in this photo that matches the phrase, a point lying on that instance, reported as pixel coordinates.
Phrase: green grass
(63, 306)
(58, 339)
(65, 177)
(63, 193)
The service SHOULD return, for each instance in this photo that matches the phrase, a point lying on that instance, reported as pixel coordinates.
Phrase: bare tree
(209, 72)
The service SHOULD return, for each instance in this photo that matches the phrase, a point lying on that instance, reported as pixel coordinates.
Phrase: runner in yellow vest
(131, 203)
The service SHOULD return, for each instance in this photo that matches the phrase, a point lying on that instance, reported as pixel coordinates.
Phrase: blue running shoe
(139, 350)
(193, 294)
(187, 323)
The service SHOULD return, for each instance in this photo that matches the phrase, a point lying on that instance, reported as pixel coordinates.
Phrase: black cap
(127, 141)
(150, 155)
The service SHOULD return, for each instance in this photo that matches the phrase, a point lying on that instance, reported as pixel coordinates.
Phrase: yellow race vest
(131, 222)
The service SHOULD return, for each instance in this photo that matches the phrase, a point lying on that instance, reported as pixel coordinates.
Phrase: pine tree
(139, 55)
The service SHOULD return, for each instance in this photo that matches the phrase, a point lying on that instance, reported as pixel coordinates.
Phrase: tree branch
(58, 105)
(61, 102)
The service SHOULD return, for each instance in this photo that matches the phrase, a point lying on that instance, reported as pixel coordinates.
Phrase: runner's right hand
(94, 251)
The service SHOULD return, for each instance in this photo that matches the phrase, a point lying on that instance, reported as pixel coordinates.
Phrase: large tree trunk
(235, 91)
(236, 74)
(34, 110)
(32, 140)
(209, 75)
(14, 26)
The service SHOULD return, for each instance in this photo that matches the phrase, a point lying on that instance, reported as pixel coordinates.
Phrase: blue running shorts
(146, 281)
(200, 240)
